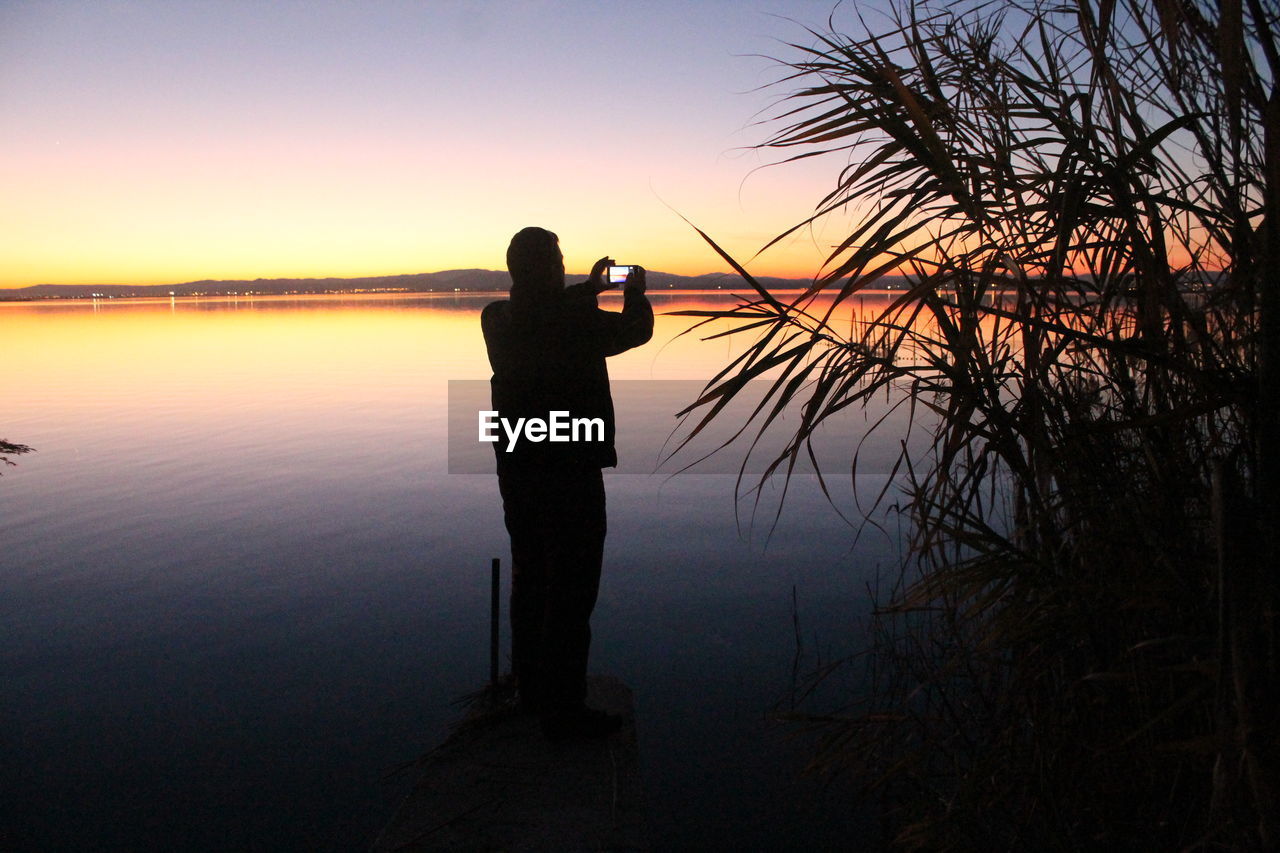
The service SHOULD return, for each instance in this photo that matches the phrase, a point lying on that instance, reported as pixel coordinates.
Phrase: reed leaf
(1081, 197)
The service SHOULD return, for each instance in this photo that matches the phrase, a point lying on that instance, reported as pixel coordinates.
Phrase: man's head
(535, 263)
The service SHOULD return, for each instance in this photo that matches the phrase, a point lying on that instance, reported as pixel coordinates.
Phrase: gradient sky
(153, 142)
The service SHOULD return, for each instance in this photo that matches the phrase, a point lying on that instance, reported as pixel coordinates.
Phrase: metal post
(493, 624)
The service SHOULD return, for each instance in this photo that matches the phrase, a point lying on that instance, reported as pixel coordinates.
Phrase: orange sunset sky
(154, 142)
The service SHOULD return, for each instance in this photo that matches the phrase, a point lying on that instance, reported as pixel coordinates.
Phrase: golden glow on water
(207, 341)
(203, 339)
(328, 366)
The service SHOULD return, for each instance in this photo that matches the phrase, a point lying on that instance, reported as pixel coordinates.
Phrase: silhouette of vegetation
(8, 448)
(1081, 651)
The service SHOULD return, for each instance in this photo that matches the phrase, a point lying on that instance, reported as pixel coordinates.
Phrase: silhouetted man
(547, 345)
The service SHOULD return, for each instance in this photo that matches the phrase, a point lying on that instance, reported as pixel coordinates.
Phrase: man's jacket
(550, 357)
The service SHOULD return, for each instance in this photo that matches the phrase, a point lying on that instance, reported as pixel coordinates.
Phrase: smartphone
(618, 275)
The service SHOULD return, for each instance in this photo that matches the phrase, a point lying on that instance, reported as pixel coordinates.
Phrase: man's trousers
(556, 519)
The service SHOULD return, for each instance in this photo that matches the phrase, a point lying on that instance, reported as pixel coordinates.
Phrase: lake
(239, 584)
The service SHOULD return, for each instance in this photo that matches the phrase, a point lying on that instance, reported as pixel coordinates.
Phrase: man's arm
(582, 293)
(585, 292)
(634, 325)
(615, 332)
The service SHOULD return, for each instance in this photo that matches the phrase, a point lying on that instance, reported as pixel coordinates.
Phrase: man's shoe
(580, 723)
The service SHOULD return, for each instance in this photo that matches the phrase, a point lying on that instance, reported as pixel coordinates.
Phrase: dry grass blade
(9, 448)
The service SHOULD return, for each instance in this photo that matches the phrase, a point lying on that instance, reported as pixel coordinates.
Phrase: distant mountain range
(430, 282)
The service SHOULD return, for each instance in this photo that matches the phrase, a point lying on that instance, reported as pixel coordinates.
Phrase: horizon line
(358, 278)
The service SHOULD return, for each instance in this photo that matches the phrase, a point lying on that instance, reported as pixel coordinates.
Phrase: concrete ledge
(498, 784)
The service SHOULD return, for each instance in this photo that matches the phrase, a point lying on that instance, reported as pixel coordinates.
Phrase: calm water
(237, 583)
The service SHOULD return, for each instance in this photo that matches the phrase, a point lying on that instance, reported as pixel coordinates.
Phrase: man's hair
(532, 253)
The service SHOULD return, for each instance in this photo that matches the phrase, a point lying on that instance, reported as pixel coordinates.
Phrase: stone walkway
(498, 784)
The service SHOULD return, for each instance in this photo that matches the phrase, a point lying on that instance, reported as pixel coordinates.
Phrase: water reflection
(238, 584)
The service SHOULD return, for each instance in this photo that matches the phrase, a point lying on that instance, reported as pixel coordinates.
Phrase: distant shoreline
(449, 281)
(150, 299)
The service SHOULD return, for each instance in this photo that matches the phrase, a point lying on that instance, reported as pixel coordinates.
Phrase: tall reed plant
(1081, 651)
